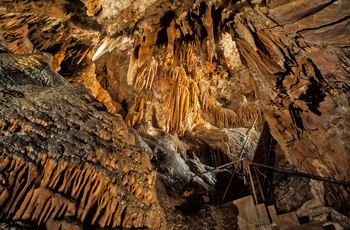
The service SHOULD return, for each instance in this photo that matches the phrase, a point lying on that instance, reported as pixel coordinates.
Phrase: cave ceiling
(189, 67)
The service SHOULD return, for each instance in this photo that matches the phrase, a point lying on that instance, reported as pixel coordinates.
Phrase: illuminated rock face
(189, 67)
(65, 161)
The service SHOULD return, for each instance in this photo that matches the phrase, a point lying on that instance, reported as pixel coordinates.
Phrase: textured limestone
(220, 146)
(301, 102)
(65, 161)
(291, 58)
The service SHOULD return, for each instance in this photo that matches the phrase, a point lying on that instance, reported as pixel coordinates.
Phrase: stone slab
(246, 208)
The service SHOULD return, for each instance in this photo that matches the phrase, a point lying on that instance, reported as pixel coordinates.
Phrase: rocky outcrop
(179, 66)
(303, 85)
(66, 163)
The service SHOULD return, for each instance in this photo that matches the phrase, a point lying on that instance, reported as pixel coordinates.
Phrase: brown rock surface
(193, 69)
(65, 161)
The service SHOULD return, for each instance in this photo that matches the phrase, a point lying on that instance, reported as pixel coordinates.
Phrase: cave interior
(154, 114)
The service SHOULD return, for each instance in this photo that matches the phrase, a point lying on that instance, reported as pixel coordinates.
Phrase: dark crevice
(315, 93)
(295, 113)
(123, 215)
(313, 96)
(162, 36)
(53, 49)
(260, 44)
(202, 8)
(216, 16)
(326, 25)
(237, 188)
(89, 216)
(168, 17)
(317, 9)
(79, 17)
(70, 186)
(212, 157)
(196, 23)
(69, 64)
(60, 182)
(136, 51)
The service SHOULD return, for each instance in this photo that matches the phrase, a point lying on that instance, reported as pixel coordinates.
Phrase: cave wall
(302, 77)
(65, 162)
(213, 64)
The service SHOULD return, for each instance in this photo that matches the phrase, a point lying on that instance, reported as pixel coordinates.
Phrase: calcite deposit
(97, 97)
(66, 162)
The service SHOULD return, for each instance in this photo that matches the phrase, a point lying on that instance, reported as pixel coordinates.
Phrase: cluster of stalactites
(183, 101)
(87, 77)
(181, 63)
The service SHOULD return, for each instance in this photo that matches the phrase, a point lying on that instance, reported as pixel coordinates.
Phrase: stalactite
(179, 53)
(244, 116)
(210, 52)
(168, 62)
(183, 23)
(183, 99)
(248, 113)
(84, 183)
(132, 116)
(148, 40)
(145, 75)
(110, 44)
(226, 117)
(16, 30)
(143, 66)
(92, 7)
(57, 59)
(190, 58)
(171, 34)
(152, 71)
(140, 78)
(87, 77)
(131, 70)
(208, 24)
(207, 101)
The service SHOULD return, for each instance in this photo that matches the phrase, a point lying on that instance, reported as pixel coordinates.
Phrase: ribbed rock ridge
(65, 162)
(194, 70)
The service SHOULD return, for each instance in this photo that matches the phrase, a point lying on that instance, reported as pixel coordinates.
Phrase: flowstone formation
(66, 163)
(191, 78)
